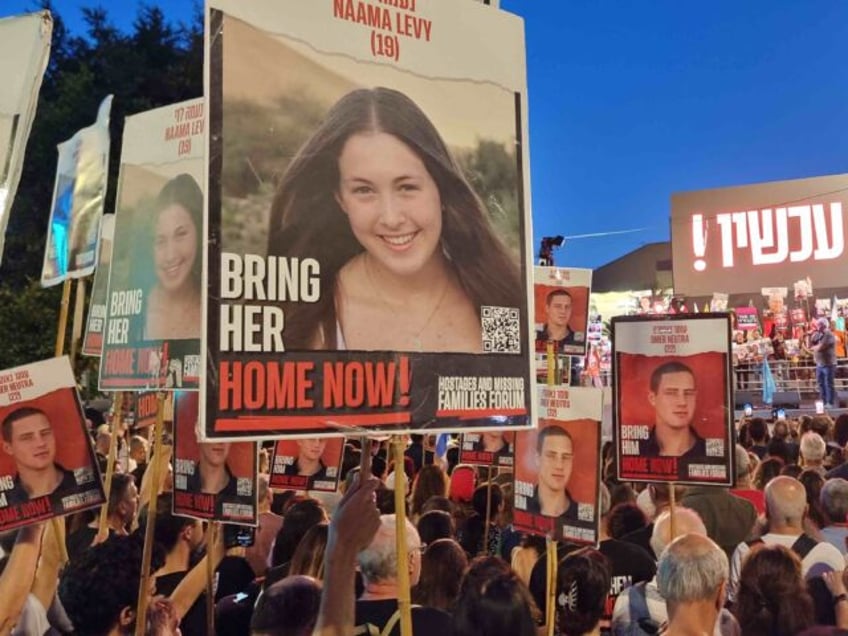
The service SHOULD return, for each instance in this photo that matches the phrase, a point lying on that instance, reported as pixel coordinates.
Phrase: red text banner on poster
(151, 337)
(557, 466)
(47, 467)
(488, 448)
(212, 480)
(318, 321)
(312, 463)
(672, 406)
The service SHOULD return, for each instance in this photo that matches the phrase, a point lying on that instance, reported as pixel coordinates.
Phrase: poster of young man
(79, 194)
(152, 337)
(366, 265)
(47, 463)
(214, 480)
(24, 53)
(561, 308)
(95, 326)
(557, 466)
(311, 463)
(488, 448)
(673, 406)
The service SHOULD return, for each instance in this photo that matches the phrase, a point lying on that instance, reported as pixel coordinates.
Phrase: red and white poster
(557, 466)
(561, 308)
(312, 463)
(47, 463)
(95, 326)
(488, 448)
(673, 406)
(360, 282)
(214, 480)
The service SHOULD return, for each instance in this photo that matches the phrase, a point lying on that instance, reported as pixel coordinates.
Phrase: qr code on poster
(715, 447)
(501, 329)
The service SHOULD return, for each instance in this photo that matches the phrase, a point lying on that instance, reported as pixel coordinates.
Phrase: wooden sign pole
(102, 527)
(404, 598)
(149, 530)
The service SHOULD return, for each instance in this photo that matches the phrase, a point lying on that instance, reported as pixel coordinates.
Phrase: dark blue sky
(631, 101)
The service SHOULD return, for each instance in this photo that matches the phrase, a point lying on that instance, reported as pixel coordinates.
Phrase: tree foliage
(157, 64)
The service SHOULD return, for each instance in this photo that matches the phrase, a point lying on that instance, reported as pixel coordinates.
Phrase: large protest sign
(24, 53)
(47, 463)
(153, 316)
(79, 194)
(307, 464)
(557, 466)
(673, 408)
(489, 448)
(95, 326)
(212, 480)
(366, 261)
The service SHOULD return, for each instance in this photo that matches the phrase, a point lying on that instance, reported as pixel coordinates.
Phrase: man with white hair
(643, 604)
(692, 577)
(378, 565)
(834, 502)
(813, 451)
(786, 507)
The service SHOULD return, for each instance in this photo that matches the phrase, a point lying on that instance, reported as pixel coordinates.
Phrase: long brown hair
(431, 481)
(773, 599)
(443, 565)
(308, 557)
(307, 222)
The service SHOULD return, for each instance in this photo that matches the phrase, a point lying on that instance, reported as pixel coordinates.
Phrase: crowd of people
(766, 557)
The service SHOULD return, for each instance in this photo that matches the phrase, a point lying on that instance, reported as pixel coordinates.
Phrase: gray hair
(834, 499)
(812, 447)
(686, 521)
(786, 501)
(691, 569)
(378, 562)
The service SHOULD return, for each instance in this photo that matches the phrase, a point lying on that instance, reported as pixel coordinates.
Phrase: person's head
(813, 449)
(311, 449)
(138, 449)
(123, 498)
(743, 465)
(692, 569)
(772, 597)
(767, 470)
(102, 439)
(555, 450)
(840, 430)
(625, 518)
(173, 532)
(758, 430)
(778, 448)
(493, 601)
(177, 235)
(462, 484)
(834, 499)
(99, 590)
(558, 308)
(822, 324)
(686, 521)
(739, 337)
(431, 481)
(435, 525)
(672, 394)
(786, 502)
(780, 430)
(487, 496)
(378, 562)
(821, 424)
(287, 608)
(298, 519)
(377, 177)
(583, 582)
(28, 437)
(437, 503)
(308, 557)
(443, 565)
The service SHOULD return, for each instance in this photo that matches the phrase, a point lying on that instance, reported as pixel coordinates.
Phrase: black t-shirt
(629, 564)
(194, 622)
(641, 538)
(426, 621)
(234, 575)
(79, 541)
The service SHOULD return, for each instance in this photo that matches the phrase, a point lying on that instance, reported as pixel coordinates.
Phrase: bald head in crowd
(686, 521)
(786, 502)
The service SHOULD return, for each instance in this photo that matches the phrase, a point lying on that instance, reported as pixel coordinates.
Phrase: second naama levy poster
(368, 219)
(673, 416)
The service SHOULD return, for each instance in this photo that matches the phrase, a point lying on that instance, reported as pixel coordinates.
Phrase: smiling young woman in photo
(173, 303)
(408, 256)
